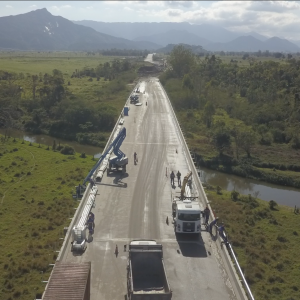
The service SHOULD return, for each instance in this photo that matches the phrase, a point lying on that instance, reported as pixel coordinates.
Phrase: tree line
(48, 106)
(239, 110)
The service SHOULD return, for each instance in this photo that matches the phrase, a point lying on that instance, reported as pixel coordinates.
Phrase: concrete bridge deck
(136, 205)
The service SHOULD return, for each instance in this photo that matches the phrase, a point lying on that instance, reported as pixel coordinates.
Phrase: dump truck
(146, 275)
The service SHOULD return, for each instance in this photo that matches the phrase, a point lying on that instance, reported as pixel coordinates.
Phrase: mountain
(256, 35)
(252, 44)
(140, 30)
(40, 30)
(280, 45)
(174, 37)
(194, 48)
(132, 31)
(173, 33)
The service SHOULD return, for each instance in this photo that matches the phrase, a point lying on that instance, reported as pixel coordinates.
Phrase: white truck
(146, 274)
(186, 210)
(187, 216)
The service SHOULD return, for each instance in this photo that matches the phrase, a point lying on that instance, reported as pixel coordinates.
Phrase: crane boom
(116, 144)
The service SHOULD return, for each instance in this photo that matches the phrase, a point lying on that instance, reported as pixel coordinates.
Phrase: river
(265, 191)
(48, 140)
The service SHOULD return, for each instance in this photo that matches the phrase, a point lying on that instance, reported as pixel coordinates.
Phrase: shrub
(272, 204)
(67, 150)
(235, 195)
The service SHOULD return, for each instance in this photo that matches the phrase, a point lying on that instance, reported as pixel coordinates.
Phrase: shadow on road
(191, 245)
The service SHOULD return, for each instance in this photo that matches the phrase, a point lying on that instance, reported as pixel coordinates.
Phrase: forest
(249, 114)
(83, 106)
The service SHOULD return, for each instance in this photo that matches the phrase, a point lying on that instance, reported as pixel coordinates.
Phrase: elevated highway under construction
(137, 204)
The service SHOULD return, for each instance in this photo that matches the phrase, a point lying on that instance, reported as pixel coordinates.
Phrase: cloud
(274, 6)
(32, 6)
(66, 6)
(8, 6)
(174, 12)
(89, 7)
(128, 8)
(179, 3)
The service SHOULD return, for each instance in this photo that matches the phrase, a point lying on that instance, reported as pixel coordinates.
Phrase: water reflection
(48, 140)
(265, 191)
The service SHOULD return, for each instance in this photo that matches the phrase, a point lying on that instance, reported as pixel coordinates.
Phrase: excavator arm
(184, 183)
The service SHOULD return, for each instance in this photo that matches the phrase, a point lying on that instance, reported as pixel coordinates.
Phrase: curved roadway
(136, 205)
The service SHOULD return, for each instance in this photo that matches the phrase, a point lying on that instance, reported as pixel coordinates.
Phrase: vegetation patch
(239, 119)
(34, 209)
(264, 241)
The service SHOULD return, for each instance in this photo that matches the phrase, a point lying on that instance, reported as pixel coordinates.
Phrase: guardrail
(203, 194)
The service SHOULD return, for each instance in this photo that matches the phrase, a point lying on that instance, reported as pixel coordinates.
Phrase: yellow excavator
(184, 183)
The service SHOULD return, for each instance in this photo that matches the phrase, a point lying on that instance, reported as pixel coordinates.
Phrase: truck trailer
(146, 275)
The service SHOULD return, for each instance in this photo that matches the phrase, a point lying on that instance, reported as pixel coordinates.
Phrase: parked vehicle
(146, 275)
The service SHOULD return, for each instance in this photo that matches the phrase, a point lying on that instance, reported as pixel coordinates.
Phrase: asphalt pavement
(136, 204)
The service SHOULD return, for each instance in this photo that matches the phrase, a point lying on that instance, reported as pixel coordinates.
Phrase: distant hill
(174, 37)
(194, 48)
(40, 30)
(252, 44)
(212, 37)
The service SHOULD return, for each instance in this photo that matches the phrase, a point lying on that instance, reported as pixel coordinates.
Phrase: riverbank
(284, 173)
(265, 240)
(36, 203)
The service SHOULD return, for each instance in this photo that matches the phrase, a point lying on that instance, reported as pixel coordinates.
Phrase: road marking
(167, 144)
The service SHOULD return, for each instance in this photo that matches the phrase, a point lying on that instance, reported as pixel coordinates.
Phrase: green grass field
(35, 205)
(265, 241)
(45, 62)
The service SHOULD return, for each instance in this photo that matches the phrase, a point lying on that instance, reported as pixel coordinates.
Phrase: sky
(270, 18)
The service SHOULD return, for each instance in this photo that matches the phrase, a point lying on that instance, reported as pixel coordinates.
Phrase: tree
(182, 60)
(221, 140)
(247, 140)
(209, 111)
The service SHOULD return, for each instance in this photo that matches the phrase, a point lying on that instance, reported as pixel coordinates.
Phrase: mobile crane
(119, 160)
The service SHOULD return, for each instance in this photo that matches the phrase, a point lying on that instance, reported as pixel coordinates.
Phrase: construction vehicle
(119, 160)
(186, 209)
(134, 99)
(146, 274)
(79, 237)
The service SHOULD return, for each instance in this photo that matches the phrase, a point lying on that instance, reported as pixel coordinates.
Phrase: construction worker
(206, 213)
(135, 158)
(92, 182)
(90, 223)
(212, 224)
(221, 230)
(178, 177)
(172, 176)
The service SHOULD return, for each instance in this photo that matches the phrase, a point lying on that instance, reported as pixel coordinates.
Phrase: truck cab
(187, 216)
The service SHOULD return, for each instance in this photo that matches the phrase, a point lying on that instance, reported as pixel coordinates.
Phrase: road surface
(136, 205)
